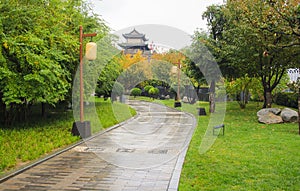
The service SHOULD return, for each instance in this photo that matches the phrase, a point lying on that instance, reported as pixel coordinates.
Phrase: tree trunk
(10, 115)
(246, 96)
(43, 110)
(3, 108)
(268, 99)
(4, 113)
(212, 104)
(299, 110)
(25, 112)
(242, 99)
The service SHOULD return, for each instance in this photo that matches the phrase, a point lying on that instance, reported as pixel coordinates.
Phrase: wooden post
(81, 68)
(212, 97)
(299, 108)
(178, 78)
(178, 102)
(298, 84)
(81, 73)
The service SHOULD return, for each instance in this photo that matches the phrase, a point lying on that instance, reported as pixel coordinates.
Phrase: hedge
(287, 99)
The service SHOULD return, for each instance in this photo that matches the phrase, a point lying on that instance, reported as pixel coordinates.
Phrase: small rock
(270, 118)
(289, 115)
(185, 99)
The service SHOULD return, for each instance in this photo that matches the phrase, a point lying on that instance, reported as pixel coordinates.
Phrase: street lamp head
(91, 51)
(174, 69)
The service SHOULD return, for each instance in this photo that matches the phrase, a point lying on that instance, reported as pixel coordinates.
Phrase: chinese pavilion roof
(135, 34)
(134, 45)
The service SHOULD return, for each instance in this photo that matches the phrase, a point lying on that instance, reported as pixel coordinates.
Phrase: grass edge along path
(19, 145)
(251, 156)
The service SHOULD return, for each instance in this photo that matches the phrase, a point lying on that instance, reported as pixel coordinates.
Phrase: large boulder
(289, 115)
(265, 111)
(269, 118)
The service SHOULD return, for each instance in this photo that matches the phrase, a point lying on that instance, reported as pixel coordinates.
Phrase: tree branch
(290, 45)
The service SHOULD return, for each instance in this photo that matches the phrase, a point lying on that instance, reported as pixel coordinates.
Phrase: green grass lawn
(251, 156)
(26, 142)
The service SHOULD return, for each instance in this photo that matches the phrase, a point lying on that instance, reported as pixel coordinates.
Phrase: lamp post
(83, 128)
(81, 68)
(298, 86)
(177, 102)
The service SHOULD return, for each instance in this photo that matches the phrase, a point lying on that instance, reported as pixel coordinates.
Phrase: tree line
(39, 52)
(252, 40)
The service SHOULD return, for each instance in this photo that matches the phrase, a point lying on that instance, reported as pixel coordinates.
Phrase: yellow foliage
(5, 45)
(171, 57)
(127, 60)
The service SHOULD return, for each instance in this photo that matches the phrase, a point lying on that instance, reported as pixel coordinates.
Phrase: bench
(219, 127)
(201, 111)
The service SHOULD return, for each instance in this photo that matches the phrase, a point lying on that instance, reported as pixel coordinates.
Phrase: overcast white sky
(184, 15)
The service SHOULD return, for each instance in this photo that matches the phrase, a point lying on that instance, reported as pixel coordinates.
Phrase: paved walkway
(145, 153)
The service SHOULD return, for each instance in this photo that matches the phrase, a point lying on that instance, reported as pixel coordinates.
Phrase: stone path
(145, 153)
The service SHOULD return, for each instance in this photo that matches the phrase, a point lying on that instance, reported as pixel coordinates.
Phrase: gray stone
(289, 115)
(265, 111)
(185, 99)
(270, 118)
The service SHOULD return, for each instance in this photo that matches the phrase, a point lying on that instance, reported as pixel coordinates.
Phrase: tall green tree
(203, 64)
(217, 23)
(257, 38)
(39, 51)
(262, 40)
(107, 78)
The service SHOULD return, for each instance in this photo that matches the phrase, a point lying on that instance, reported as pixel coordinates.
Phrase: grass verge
(26, 142)
(251, 156)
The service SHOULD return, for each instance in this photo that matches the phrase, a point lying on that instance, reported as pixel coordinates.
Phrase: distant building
(293, 74)
(135, 41)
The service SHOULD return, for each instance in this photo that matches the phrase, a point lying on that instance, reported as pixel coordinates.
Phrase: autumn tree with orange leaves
(136, 69)
(127, 60)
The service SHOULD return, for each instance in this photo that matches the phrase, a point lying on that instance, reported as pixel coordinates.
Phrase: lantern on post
(91, 51)
(83, 128)
(174, 70)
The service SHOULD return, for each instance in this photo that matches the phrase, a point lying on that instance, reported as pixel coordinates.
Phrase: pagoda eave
(123, 45)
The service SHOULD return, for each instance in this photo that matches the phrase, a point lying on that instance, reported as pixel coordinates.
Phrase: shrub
(153, 92)
(136, 92)
(287, 99)
(147, 88)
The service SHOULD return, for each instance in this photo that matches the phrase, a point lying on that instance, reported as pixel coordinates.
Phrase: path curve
(145, 153)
